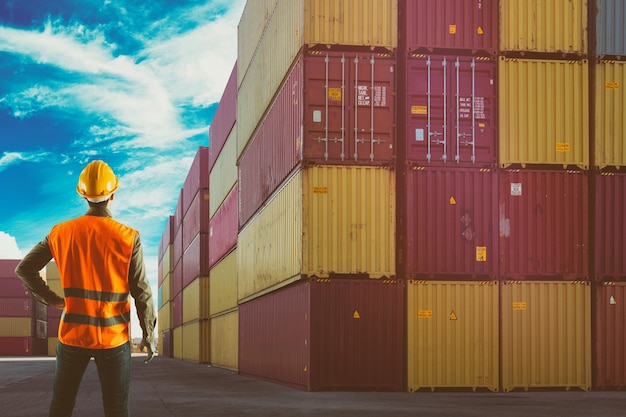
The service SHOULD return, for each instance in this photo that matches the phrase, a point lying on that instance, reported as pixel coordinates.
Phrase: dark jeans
(113, 369)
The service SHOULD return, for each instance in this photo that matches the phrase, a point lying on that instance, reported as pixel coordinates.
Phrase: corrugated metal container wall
(197, 178)
(224, 118)
(196, 220)
(452, 24)
(177, 279)
(452, 223)
(166, 264)
(196, 300)
(177, 342)
(453, 334)
(277, 50)
(196, 259)
(13, 287)
(7, 268)
(224, 174)
(177, 311)
(543, 218)
(544, 26)
(223, 278)
(23, 327)
(610, 336)
(610, 126)
(349, 110)
(165, 289)
(254, 18)
(275, 338)
(22, 307)
(543, 112)
(357, 334)
(545, 335)
(451, 110)
(167, 349)
(196, 338)
(610, 226)
(166, 237)
(223, 228)
(275, 149)
(165, 316)
(611, 28)
(23, 346)
(52, 345)
(330, 219)
(225, 341)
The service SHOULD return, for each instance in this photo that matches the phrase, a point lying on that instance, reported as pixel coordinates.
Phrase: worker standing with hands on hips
(100, 262)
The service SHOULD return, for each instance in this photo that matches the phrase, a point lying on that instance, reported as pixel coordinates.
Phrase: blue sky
(135, 83)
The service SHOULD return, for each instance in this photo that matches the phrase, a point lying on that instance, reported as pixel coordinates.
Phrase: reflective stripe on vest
(93, 256)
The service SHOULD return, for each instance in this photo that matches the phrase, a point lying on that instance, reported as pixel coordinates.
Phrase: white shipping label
(419, 135)
(516, 189)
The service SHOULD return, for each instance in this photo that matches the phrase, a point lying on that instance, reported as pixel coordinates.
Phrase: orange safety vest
(93, 255)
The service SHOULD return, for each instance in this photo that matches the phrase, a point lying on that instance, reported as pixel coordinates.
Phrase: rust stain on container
(452, 226)
(610, 362)
(325, 335)
(453, 335)
(543, 222)
(546, 335)
(452, 24)
(451, 110)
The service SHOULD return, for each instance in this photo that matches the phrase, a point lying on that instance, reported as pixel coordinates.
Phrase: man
(100, 262)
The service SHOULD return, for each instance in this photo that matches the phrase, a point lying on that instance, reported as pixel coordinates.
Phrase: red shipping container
(451, 110)
(224, 118)
(13, 287)
(177, 278)
(197, 218)
(334, 108)
(7, 268)
(22, 307)
(177, 245)
(197, 178)
(167, 349)
(543, 222)
(53, 326)
(177, 310)
(610, 355)
(341, 334)
(195, 261)
(223, 228)
(470, 25)
(610, 226)
(167, 237)
(23, 346)
(452, 223)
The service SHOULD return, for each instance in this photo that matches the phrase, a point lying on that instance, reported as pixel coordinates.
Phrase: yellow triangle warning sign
(356, 315)
(480, 31)
(452, 200)
(612, 301)
(453, 316)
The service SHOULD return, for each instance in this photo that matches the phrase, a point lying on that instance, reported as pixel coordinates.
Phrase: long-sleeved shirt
(39, 256)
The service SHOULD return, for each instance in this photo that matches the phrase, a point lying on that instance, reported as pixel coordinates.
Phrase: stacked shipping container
(482, 109)
(23, 318)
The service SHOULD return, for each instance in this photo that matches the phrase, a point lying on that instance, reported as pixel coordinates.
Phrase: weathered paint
(225, 340)
(328, 220)
(543, 112)
(292, 335)
(610, 226)
(545, 335)
(452, 223)
(453, 335)
(470, 25)
(610, 105)
(543, 222)
(610, 336)
(544, 26)
(451, 110)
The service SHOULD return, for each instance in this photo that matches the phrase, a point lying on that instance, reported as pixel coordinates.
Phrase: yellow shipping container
(224, 174)
(196, 300)
(223, 282)
(177, 342)
(52, 346)
(544, 26)
(165, 316)
(325, 220)
(17, 327)
(225, 340)
(52, 271)
(543, 112)
(610, 124)
(546, 334)
(254, 18)
(55, 285)
(167, 262)
(452, 332)
(293, 24)
(196, 341)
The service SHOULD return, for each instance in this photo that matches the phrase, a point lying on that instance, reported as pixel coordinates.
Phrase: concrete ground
(170, 387)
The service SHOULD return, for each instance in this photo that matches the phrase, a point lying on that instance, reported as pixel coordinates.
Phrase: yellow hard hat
(97, 182)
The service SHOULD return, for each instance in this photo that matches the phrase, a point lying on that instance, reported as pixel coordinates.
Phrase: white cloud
(12, 158)
(8, 247)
